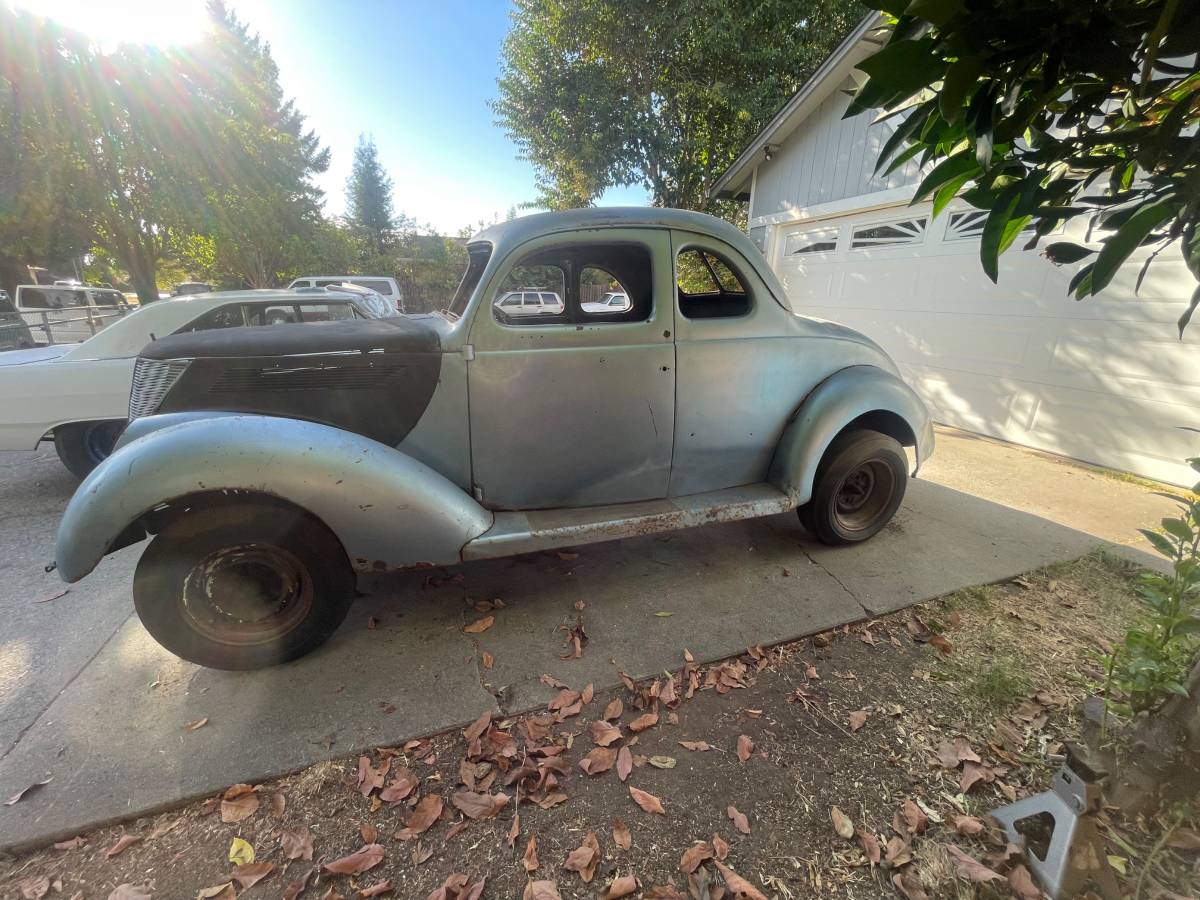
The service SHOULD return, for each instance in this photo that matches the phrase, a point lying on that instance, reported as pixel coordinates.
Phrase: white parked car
(612, 302)
(381, 284)
(530, 302)
(71, 312)
(380, 305)
(78, 394)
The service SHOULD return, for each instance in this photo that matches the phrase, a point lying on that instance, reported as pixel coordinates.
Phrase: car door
(568, 409)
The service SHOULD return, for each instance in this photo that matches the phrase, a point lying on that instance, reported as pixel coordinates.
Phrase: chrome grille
(152, 378)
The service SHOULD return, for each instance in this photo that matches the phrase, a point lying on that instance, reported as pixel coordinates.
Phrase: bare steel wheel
(858, 487)
(243, 585)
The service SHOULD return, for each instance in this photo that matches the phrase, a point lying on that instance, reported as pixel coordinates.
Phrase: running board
(525, 532)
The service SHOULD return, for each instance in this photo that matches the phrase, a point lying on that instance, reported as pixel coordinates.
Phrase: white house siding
(827, 158)
(1105, 380)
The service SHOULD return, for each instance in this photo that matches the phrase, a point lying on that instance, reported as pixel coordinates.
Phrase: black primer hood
(374, 377)
(397, 334)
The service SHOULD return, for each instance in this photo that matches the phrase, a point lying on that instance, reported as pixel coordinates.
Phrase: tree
(369, 197)
(261, 205)
(598, 93)
(1046, 110)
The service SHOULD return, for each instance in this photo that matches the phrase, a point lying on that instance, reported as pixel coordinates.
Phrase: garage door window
(967, 225)
(889, 234)
(815, 240)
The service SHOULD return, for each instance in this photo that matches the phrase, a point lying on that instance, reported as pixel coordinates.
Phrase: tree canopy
(600, 93)
(369, 196)
(1045, 110)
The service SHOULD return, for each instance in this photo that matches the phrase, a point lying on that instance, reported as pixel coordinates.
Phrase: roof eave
(734, 183)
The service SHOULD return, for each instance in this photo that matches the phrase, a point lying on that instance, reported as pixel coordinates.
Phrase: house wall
(827, 158)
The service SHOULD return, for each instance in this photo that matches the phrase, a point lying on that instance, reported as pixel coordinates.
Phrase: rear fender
(867, 393)
(388, 510)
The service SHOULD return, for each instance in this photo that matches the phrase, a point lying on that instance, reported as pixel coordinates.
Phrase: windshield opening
(479, 254)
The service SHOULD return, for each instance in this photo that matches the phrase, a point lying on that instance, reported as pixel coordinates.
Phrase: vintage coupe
(273, 465)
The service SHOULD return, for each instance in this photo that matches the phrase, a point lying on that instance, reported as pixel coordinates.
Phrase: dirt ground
(859, 763)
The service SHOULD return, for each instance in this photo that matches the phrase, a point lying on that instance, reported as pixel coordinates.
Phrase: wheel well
(885, 422)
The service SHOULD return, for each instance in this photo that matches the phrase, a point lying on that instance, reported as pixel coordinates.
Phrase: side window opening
(593, 283)
(708, 286)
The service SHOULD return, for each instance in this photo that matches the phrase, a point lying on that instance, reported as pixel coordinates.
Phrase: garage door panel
(1103, 379)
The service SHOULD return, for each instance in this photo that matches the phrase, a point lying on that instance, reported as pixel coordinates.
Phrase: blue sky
(417, 76)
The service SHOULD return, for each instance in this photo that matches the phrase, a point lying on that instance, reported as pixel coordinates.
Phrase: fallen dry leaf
(541, 890)
(604, 733)
(370, 834)
(908, 883)
(53, 595)
(841, 823)
(696, 746)
(745, 747)
(914, 817)
(720, 846)
(122, 844)
(944, 646)
(73, 844)
(238, 803)
(696, 854)
(585, 858)
(278, 804)
(479, 806)
(971, 869)
(240, 851)
(224, 891)
(587, 693)
(665, 892)
(375, 890)
(357, 862)
(621, 886)
(404, 782)
(296, 843)
(662, 762)
(487, 659)
(644, 721)
(870, 845)
(614, 710)
(1022, 884)
(425, 814)
(530, 859)
(624, 763)
(600, 759)
(738, 886)
(621, 836)
(252, 873)
(858, 719)
(479, 625)
(648, 802)
(421, 853)
(740, 822)
(476, 729)
(35, 887)
(199, 723)
(17, 797)
(968, 825)
(550, 681)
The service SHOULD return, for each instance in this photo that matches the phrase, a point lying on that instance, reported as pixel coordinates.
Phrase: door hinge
(477, 491)
(468, 352)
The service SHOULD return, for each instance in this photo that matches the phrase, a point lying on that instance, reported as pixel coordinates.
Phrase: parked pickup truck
(272, 466)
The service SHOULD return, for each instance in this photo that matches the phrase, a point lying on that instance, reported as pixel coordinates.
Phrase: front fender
(387, 509)
(837, 401)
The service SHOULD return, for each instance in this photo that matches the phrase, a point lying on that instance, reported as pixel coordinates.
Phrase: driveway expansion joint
(841, 584)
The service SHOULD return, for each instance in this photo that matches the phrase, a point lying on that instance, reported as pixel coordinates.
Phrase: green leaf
(1128, 238)
(960, 78)
(1066, 252)
(904, 157)
(1187, 313)
(947, 192)
(903, 131)
(995, 229)
(950, 168)
(939, 12)
(897, 71)
(1177, 528)
(1160, 543)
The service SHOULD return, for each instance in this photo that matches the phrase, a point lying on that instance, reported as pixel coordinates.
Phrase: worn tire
(858, 488)
(251, 556)
(84, 445)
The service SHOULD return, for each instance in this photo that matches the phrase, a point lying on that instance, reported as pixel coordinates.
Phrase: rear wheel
(84, 445)
(243, 585)
(857, 489)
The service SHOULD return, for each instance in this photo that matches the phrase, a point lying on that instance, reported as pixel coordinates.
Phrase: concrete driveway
(88, 698)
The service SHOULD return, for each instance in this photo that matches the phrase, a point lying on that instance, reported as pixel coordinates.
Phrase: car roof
(163, 316)
(503, 236)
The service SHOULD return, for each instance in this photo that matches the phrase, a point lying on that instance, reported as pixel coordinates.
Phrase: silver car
(272, 466)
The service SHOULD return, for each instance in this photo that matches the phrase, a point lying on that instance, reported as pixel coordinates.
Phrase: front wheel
(858, 488)
(84, 445)
(243, 585)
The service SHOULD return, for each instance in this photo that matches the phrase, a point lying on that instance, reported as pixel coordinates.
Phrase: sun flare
(157, 22)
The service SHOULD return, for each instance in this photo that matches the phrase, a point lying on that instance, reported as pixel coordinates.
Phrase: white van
(57, 314)
(380, 284)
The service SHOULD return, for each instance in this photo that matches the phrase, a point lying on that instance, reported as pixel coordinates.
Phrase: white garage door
(1105, 380)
